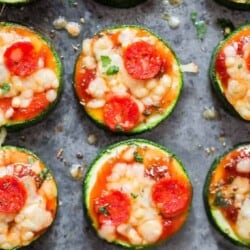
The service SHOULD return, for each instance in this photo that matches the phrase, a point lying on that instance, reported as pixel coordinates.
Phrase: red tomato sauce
(225, 173)
(39, 50)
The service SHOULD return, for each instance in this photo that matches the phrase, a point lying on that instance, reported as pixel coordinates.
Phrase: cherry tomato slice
(113, 208)
(221, 69)
(12, 194)
(171, 196)
(248, 62)
(121, 113)
(38, 104)
(83, 80)
(21, 58)
(142, 61)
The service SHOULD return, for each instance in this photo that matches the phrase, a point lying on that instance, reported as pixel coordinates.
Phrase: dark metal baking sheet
(185, 132)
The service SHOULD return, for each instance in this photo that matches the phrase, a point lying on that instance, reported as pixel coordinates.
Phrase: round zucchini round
(30, 76)
(127, 79)
(235, 4)
(28, 197)
(227, 194)
(136, 194)
(121, 3)
(230, 70)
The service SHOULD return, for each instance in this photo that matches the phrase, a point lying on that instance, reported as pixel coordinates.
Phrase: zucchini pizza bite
(121, 3)
(30, 76)
(227, 194)
(28, 197)
(230, 72)
(235, 4)
(136, 194)
(127, 79)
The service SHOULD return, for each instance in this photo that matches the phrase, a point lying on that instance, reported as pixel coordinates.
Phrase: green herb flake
(104, 210)
(105, 61)
(44, 174)
(31, 160)
(5, 87)
(193, 16)
(134, 196)
(138, 157)
(219, 200)
(112, 70)
(201, 29)
(240, 66)
(118, 128)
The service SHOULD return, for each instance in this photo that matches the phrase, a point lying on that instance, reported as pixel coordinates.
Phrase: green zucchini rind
(26, 159)
(111, 152)
(16, 125)
(15, 1)
(121, 3)
(214, 78)
(235, 4)
(215, 217)
(157, 118)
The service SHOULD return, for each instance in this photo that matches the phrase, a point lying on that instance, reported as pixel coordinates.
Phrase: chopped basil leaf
(105, 61)
(138, 157)
(112, 70)
(134, 196)
(5, 87)
(219, 200)
(104, 210)
(165, 16)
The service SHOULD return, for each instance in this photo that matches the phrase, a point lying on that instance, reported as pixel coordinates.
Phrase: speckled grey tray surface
(68, 127)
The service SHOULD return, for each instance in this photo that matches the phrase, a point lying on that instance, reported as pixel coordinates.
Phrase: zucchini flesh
(142, 154)
(24, 176)
(38, 106)
(149, 115)
(235, 4)
(223, 182)
(225, 74)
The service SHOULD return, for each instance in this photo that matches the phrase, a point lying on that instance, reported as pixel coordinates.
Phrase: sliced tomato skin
(21, 58)
(117, 208)
(38, 104)
(13, 194)
(171, 196)
(248, 62)
(83, 80)
(142, 61)
(221, 69)
(121, 113)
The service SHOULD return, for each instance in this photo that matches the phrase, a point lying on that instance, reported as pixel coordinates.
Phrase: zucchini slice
(121, 3)
(136, 194)
(15, 1)
(227, 194)
(30, 76)
(235, 4)
(28, 197)
(230, 71)
(127, 79)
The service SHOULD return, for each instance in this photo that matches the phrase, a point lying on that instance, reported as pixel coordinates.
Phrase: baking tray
(185, 132)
